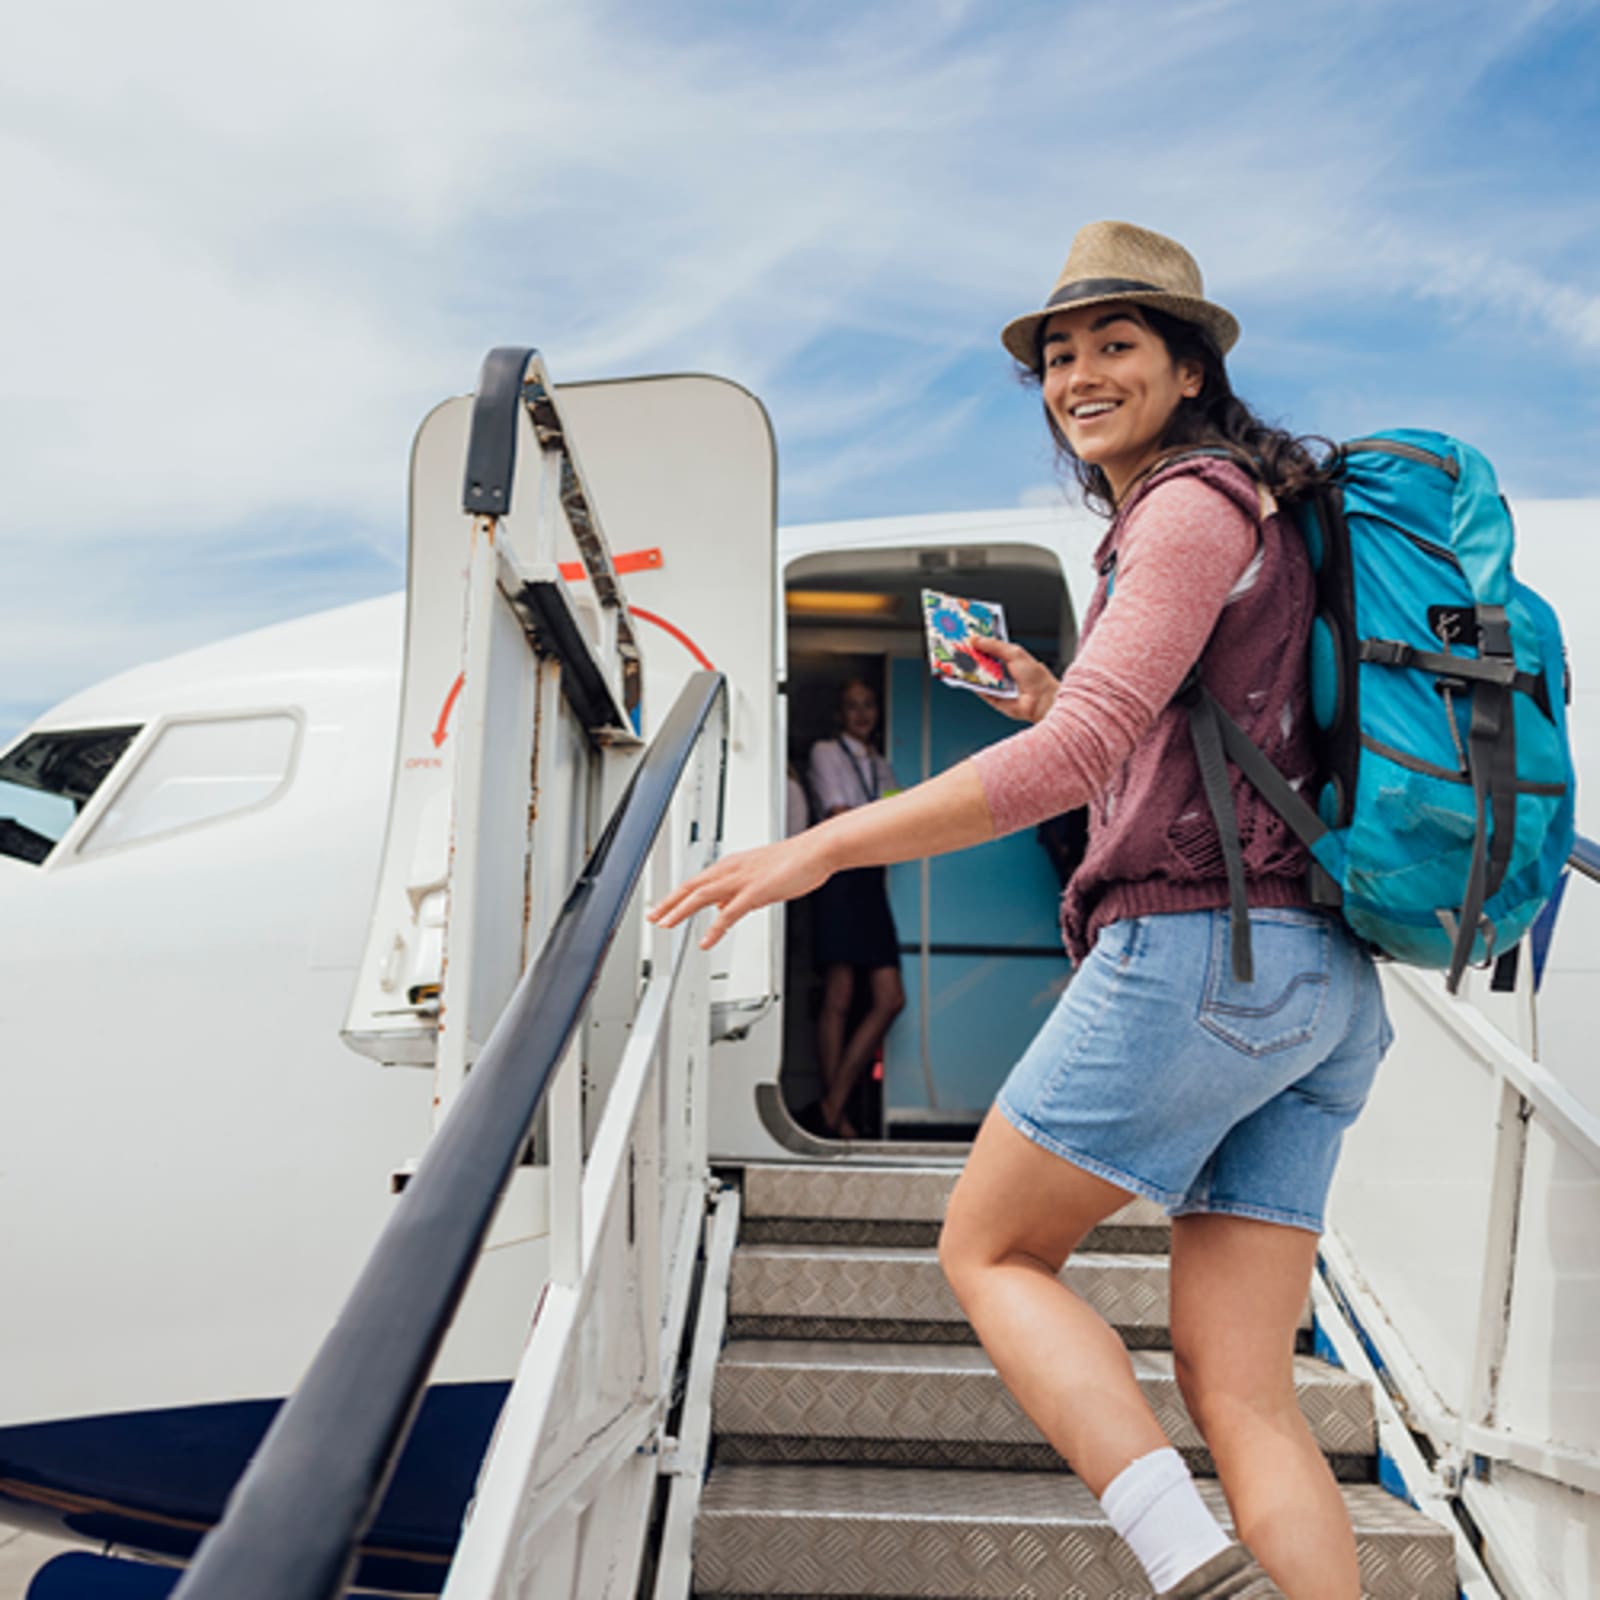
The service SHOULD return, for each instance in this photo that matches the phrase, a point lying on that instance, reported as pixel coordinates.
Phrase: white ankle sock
(1155, 1506)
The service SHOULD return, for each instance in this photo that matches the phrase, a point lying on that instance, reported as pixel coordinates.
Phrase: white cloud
(885, 449)
(260, 242)
(1042, 496)
(1476, 282)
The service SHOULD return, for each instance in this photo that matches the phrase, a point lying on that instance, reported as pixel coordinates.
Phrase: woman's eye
(1116, 345)
(1058, 358)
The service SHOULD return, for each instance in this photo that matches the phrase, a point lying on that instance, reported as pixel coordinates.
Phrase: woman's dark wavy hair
(1216, 417)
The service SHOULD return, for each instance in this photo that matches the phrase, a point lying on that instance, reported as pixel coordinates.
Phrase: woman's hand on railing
(946, 812)
(1036, 684)
(744, 882)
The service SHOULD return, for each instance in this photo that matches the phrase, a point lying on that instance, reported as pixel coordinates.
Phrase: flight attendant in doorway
(853, 930)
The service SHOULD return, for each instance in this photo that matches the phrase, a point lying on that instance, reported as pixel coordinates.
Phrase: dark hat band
(1098, 288)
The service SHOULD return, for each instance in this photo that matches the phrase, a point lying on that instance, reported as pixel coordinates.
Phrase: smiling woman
(1142, 1081)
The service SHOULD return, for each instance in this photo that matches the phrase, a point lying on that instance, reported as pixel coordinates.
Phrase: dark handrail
(1585, 858)
(292, 1525)
(492, 444)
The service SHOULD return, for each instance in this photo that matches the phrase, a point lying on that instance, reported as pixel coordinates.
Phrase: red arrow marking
(439, 733)
(677, 633)
(628, 561)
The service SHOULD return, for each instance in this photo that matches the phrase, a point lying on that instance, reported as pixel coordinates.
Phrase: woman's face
(858, 709)
(1111, 386)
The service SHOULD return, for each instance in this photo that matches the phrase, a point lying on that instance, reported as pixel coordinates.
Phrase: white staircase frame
(1485, 1045)
(567, 1495)
(620, 1183)
(568, 1490)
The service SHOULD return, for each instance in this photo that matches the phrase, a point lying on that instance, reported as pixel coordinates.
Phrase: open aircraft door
(665, 486)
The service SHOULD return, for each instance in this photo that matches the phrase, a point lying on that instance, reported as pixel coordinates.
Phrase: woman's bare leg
(1238, 1289)
(1016, 1215)
(838, 987)
(888, 1001)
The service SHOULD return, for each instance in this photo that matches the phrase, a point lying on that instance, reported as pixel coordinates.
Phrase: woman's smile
(1092, 411)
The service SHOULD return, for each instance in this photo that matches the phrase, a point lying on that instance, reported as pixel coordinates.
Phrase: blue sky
(258, 243)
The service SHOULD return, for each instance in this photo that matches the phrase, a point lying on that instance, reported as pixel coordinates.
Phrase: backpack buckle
(1387, 652)
(1494, 631)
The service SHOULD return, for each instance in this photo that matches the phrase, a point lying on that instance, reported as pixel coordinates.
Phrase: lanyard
(868, 788)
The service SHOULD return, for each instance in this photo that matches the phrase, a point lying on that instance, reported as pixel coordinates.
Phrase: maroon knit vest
(1152, 843)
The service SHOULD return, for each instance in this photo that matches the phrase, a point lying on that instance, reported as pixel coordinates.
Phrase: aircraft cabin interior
(980, 952)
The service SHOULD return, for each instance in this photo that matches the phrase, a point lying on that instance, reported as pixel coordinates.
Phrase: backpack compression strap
(1492, 758)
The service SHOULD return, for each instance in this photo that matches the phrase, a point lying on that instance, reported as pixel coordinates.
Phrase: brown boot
(1233, 1575)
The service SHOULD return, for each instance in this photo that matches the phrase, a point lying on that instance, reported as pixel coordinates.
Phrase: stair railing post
(564, 1112)
(691, 1018)
(1499, 1262)
(456, 1048)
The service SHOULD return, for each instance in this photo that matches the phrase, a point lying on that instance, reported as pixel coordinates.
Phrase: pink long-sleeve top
(1199, 576)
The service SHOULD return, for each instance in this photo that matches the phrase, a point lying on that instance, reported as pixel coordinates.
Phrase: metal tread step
(944, 1405)
(1114, 1236)
(849, 1292)
(878, 1194)
(800, 1532)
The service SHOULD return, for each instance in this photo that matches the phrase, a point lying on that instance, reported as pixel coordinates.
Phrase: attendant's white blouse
(845, 773)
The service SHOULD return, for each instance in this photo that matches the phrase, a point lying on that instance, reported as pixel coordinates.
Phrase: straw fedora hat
(1117, 261)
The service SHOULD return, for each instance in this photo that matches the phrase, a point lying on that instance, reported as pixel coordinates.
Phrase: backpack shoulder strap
(1199, 452)
(1215, 735)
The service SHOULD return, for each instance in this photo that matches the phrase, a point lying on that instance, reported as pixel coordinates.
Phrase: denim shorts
(1160, 1072)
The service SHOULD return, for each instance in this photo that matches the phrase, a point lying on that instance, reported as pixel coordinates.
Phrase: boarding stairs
(863, 1444)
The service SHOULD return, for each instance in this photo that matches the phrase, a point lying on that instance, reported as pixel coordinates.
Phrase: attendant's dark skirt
(851, 921)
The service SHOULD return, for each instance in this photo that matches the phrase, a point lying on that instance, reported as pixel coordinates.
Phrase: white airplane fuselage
(193, 1165)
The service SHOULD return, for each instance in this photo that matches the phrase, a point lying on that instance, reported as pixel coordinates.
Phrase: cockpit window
(47, 780)
(195, 772)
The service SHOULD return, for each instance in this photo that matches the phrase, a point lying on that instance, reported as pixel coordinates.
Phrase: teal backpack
(1443, 811)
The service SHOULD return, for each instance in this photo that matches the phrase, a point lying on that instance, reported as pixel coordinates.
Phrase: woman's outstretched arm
(1184, 550)
(948, 812)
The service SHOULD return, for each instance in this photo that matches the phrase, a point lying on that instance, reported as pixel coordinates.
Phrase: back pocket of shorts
(1283, 1006)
